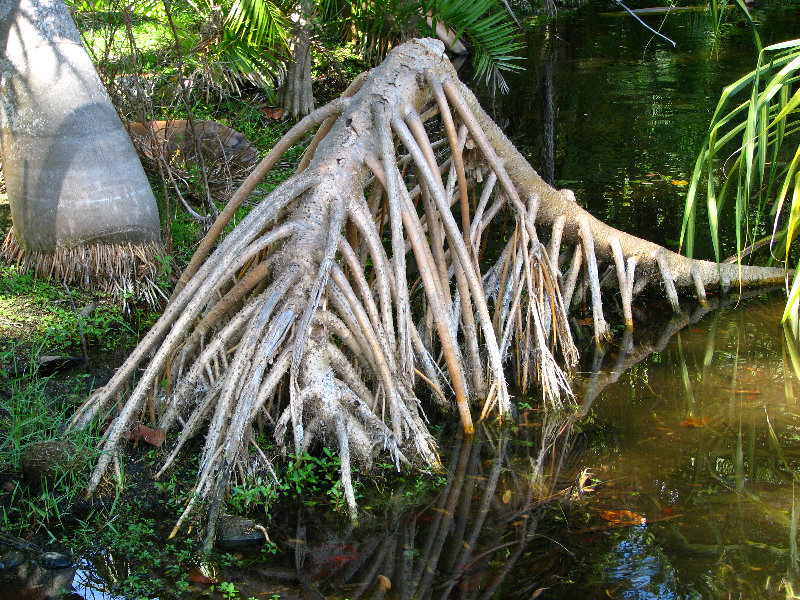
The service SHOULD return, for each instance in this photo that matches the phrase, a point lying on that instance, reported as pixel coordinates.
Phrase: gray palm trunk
(75, 183)
(296, 94)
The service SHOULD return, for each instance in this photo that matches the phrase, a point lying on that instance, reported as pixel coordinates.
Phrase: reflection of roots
(303, 317)
(129, 272)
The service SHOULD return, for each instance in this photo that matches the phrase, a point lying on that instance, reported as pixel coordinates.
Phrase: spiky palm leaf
(258, 22)
(245, 40)
(766, 120)
(484, 25)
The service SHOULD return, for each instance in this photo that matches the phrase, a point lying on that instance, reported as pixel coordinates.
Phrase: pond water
(680, 475)
(613, 113)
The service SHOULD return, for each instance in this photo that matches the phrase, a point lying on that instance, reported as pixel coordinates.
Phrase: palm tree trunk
(77, 190)
(296, 94)
(314, 293)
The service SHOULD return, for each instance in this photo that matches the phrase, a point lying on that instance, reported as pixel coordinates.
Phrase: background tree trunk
(73, 177)
(296, 95)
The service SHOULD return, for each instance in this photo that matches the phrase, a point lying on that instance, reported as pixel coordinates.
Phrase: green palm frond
(762, 112)
(489, 31)
(485, 26)
(258, 23)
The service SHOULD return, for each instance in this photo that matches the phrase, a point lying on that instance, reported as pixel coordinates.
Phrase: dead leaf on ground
(272, 112)
(154, 437)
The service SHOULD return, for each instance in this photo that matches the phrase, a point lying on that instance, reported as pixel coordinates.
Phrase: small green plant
(253, 492)
(227, 589)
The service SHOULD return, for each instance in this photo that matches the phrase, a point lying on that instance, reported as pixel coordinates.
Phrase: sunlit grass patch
(40, 313)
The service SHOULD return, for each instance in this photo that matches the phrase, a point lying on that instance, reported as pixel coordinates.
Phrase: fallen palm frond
(357, 283)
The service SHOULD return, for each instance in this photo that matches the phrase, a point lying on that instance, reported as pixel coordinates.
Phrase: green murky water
(680, 478)
(606, 110)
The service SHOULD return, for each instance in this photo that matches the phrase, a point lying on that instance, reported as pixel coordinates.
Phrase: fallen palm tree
(357, 284)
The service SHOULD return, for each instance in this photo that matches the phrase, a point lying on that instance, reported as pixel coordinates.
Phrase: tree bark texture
(358, 283)
(296, 94)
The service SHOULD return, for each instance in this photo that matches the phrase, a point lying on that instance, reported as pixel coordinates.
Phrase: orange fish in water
(622, 517)
(196, 575)
(694, 422)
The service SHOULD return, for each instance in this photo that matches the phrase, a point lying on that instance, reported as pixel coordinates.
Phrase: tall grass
(33, 410)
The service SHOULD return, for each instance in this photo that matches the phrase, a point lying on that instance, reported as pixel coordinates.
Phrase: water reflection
(465, 541)
(638, 569)
(699, 433)
(617, 116)
(692, 424)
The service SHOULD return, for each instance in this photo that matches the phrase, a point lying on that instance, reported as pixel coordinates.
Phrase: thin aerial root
(422, 254)
(458, 159)
(468, 318)
(476, 232)
(506, 276)
(699, 287)
(489, 154)
(379, 355)
(190, 428)
(425, 360)
(669, 281)
(279, 368)
(456, 242)
(359, 215)
(171, 327)
(354, 342)
(433, 386)
(625, 282)
(571, 279)
(600, 325)
(347, 479)
(393, 185)
(357, 275)
(346, 371)
(554, 249)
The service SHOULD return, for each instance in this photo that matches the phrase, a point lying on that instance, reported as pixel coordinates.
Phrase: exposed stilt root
(669, 282)
(625, 275)
(600, 325)
(304, 316)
